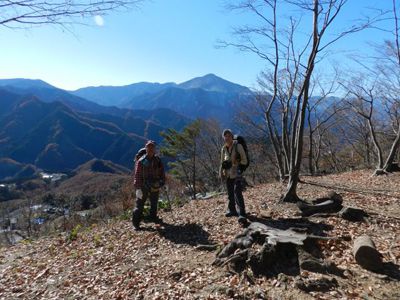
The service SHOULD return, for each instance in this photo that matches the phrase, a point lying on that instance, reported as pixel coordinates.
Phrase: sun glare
(99, 20)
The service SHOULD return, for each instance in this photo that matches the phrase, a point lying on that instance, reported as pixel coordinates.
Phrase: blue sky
(163, 41)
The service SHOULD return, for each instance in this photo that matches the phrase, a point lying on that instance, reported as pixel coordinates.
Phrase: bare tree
(295, 63)
(27, 13)
(378, 93)
(391, 87)
(321, 113)
(209, 145)
(354, 132)
(363, 101)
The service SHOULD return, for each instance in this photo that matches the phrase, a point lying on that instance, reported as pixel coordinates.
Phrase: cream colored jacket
(230, 154)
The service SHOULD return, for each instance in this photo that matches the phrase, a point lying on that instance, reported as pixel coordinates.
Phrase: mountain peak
(213, 83)
(211, 75)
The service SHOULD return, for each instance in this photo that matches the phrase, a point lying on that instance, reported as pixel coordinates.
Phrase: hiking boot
(136, 224)
(231, 214)
(136, 227)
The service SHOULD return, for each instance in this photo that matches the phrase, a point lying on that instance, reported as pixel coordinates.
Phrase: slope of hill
(192, 102)
(170, 261)
(47, 93)
(58, 138)
(53, 137)
(97, 178)
(8, 101)
(11, 169)
(101, 166)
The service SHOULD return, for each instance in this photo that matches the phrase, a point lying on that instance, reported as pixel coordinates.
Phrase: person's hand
(162, 183)
(139, 194)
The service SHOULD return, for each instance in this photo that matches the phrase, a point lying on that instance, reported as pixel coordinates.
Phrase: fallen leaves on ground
(111, 261)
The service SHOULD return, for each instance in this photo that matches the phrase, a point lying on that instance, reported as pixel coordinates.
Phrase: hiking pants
(235, 196)
(138, 211)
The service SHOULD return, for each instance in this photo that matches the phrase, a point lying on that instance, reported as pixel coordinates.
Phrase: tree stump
(366, 255)
(269, 251)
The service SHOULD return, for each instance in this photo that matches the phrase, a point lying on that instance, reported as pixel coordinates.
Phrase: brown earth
(111, 261)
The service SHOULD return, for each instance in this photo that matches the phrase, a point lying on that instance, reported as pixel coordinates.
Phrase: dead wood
(269, 251)
(366, 254)
(210, 247)
(353, 214)
(331, 203)
(331, 195)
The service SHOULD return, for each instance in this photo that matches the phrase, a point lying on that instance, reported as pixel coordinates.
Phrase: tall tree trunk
(392, 153)
(299, 119)
(310, 143)
(310, 151)
(376, 144)
(318, 151)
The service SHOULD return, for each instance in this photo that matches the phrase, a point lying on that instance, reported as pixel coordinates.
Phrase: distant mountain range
(46, 128)
(203, 97)
(123, 96)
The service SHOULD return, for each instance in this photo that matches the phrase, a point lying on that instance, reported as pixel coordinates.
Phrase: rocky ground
(170, 261)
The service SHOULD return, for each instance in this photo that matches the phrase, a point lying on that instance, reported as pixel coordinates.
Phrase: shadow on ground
(390, 270)
(190, 234)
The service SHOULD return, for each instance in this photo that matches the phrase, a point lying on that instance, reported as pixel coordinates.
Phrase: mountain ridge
(208, 93)
(54, 137)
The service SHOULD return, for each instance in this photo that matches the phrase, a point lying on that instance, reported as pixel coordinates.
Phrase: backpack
(240, 140)
(139, 154)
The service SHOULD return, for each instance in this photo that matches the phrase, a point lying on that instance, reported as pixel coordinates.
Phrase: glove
(139, 194)
(162, 183)
(241, 168)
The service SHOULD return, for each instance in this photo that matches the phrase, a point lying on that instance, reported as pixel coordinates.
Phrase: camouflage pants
(137, 214)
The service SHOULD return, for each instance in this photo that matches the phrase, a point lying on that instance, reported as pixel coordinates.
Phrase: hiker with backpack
(234, 162)
(149, 177)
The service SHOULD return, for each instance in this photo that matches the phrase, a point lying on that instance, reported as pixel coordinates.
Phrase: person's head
(150, 148)
(228, 136)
